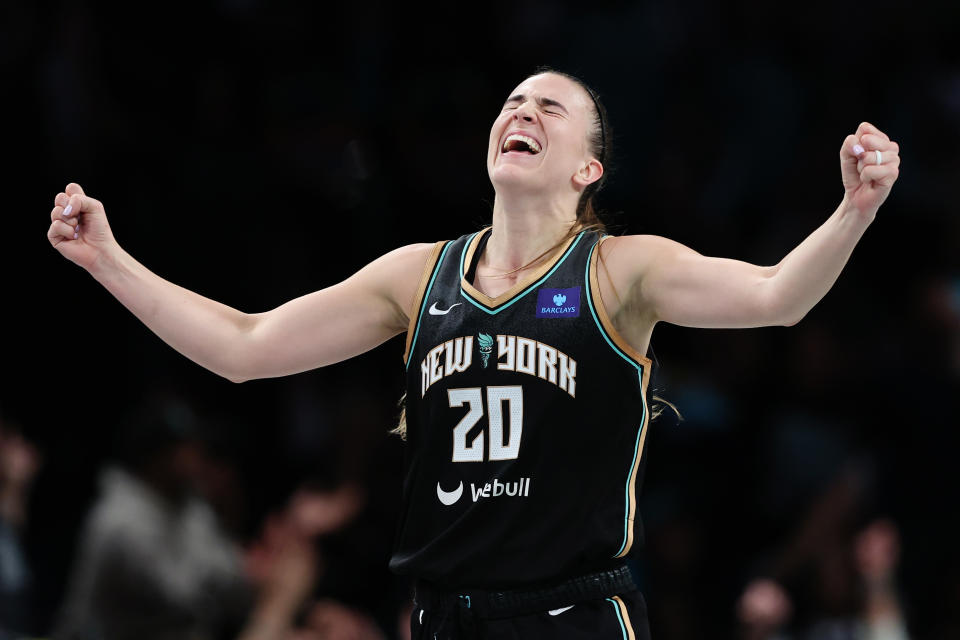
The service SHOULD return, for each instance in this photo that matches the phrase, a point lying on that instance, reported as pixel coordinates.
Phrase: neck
(523, 229)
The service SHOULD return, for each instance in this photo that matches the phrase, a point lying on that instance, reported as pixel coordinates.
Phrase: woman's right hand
(314, 330)
(79, 228)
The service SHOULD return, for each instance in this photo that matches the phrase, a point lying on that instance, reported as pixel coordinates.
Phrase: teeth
(530, 142)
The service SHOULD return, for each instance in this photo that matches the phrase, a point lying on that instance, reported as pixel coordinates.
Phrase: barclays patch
(558, 303)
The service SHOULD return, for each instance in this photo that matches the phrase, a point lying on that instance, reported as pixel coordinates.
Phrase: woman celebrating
(526, 407)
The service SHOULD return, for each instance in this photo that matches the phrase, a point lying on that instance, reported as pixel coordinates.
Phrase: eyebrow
(544, 102)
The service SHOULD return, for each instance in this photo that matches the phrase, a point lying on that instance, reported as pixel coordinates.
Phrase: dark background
(256, 151)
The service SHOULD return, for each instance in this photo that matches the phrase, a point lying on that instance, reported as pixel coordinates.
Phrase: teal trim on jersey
(463, 254)
(616, 609)
(626, 491)
(533, 286)
(643, 421)
(423, 303)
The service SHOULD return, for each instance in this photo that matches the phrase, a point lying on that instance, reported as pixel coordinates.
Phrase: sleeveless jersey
(526, 418)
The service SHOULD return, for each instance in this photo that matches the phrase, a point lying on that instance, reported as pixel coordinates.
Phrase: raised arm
(315, 330)
(673, 283)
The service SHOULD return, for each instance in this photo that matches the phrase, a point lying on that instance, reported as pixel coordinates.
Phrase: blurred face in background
(19, 460)
(553, 115)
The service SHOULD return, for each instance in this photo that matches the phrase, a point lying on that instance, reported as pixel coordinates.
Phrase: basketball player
(526, 408)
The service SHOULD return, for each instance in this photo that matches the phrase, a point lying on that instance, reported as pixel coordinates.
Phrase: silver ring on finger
(879, 157)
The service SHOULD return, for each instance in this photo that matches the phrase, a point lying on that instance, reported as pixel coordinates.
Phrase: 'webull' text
(520, 489)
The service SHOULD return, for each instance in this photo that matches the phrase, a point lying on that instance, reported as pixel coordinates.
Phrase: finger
(880, 157)
(78, 203)
(872, 142)
(870, 158)
(60, 230)
(885, 174)
(57, 214)
(849, 147)
(866, 127)
(63, 201)
(74, 189)
(850, 150)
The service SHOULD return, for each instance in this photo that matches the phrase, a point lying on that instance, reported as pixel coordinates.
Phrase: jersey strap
(427, 279)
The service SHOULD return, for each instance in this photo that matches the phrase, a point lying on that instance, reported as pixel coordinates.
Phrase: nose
(524, 112)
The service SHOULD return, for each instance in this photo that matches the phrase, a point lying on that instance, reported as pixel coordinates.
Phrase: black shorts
(561, 613)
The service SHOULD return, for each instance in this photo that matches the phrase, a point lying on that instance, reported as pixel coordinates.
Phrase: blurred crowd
(159, 555)
(244, 148)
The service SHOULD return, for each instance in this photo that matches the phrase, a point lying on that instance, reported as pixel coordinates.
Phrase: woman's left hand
(866, 181)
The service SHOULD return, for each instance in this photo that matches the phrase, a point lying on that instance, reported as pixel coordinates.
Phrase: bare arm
(678, 285)
(315, 330)
(682, 287)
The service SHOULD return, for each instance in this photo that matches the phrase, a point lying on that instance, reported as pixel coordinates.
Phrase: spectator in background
(19, 462)
(153, 560)
(765, 608)
(877, 555)
(285, 561)
(284, 564)
(860, 572)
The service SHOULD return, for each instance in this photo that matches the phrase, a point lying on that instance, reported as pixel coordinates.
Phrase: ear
(589, 173)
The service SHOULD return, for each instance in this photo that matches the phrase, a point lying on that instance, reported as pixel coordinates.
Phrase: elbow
(791, 315)
(783, 311)
(788, 317)
(242, 361)
(242, 369)
(793, 320)
(236, 368)
(234, 375)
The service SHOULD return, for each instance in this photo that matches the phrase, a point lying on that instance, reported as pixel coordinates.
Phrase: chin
(513, 176)
(515, 179)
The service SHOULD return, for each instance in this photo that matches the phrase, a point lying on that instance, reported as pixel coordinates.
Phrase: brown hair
(600, 140)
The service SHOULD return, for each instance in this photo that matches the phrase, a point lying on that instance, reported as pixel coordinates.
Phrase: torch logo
(486, 347)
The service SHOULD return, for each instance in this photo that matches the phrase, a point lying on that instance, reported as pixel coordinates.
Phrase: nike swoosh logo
(437, 312)
(449, 497)
(556, 612)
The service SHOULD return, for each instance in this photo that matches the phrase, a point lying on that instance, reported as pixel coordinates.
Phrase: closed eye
(542, 101)
(552, 113)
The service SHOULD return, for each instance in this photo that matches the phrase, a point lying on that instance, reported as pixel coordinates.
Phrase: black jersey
(526, 418)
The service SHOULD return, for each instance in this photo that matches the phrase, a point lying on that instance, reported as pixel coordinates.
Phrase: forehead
(556, 87)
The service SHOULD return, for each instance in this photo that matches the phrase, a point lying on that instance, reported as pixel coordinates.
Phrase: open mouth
(517, 143)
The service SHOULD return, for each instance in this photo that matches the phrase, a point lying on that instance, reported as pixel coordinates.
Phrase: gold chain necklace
(512, 271)
(529, 264)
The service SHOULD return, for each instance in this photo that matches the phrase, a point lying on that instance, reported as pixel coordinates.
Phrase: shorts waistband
(516, 602)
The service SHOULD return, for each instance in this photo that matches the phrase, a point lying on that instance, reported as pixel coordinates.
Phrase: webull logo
(496, 489)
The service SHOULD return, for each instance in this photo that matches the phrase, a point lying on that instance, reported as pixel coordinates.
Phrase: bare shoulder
(396, 275)
(408, 258)
(628, 258)
(636, 245)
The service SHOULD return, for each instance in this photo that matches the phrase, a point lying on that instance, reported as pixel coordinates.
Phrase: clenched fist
(78, 227)
(869, 165)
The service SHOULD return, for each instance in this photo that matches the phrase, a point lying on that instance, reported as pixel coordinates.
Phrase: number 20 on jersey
(504, 443)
